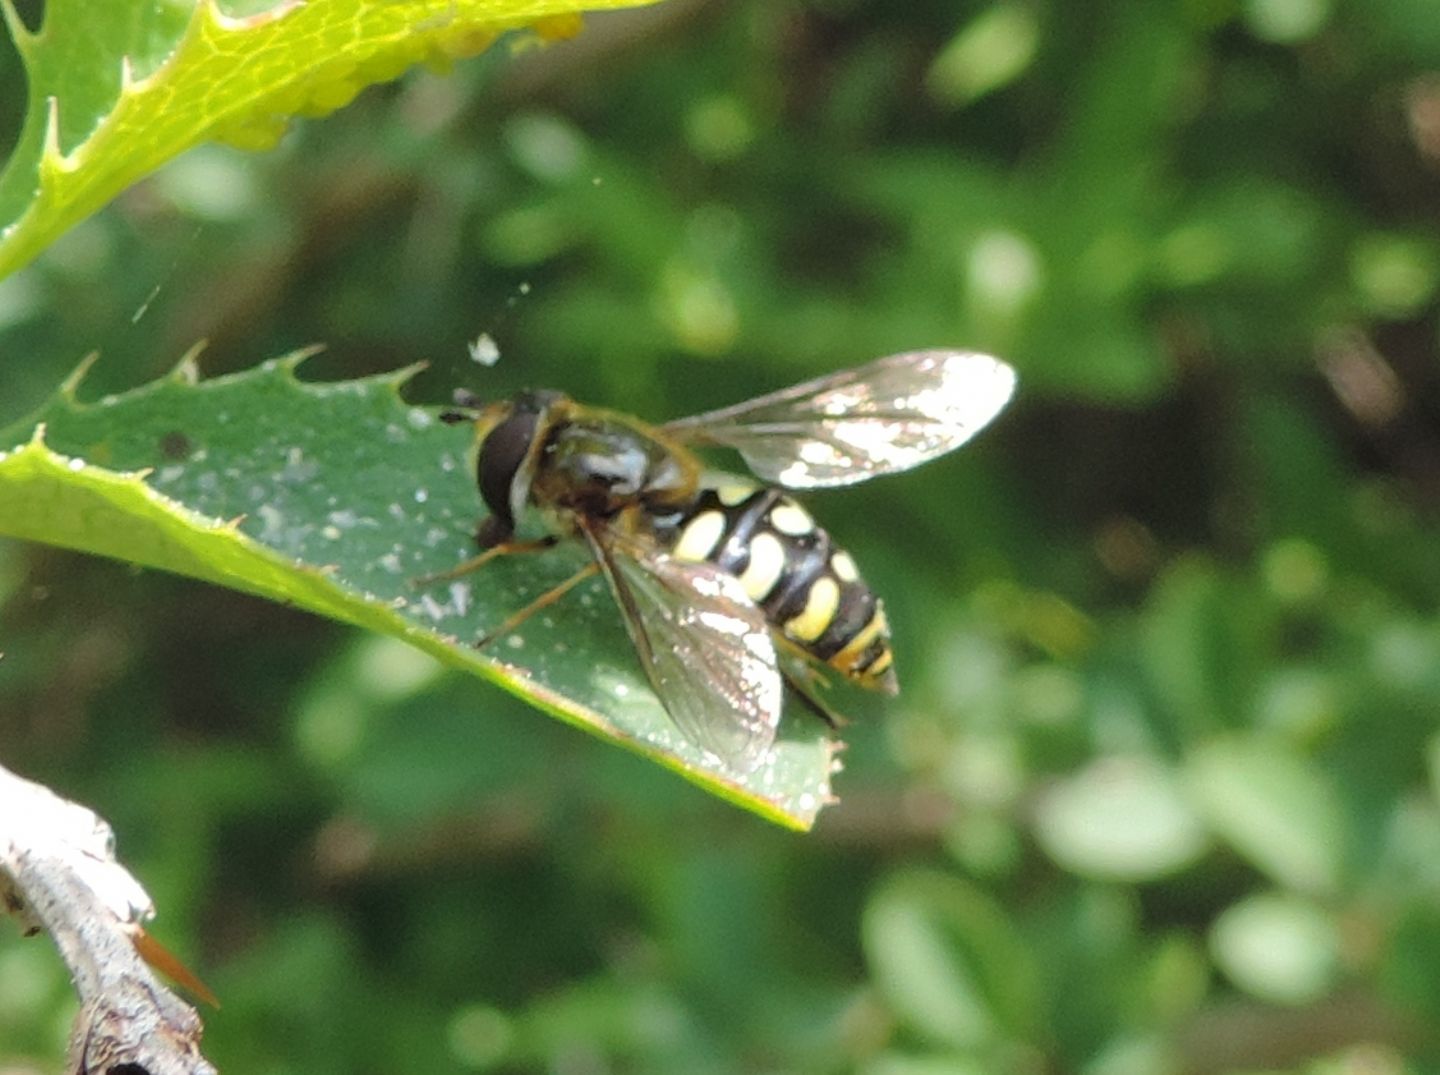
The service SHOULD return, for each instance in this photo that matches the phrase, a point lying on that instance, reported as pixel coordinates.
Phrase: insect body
(720, 582)
(809, 588)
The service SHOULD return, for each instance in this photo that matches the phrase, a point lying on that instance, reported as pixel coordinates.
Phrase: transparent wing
(889, 415)
(704, 645)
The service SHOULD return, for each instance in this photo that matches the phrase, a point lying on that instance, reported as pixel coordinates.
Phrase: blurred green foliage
(1161, 792)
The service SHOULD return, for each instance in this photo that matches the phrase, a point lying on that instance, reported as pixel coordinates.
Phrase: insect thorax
(809, 588)
(598, 465)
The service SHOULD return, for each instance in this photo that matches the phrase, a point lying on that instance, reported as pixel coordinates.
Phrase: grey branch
(58, 873)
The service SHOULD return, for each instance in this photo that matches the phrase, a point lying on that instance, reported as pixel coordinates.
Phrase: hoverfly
(728, 589)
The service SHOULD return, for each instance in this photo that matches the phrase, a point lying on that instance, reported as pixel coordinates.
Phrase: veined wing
(704, 645)
(889, 415)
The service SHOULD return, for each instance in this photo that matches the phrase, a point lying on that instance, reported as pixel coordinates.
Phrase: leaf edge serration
(210, 543)
(69, 185)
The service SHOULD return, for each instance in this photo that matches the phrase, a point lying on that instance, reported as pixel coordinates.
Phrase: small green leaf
(1205, 635)
(1278, 947)
(119, 88)
(1123, 819)
(944, 956)
(991, 51)
(336, 497)
(1273, 807)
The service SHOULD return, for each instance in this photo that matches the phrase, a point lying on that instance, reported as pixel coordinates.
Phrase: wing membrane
(889, 415)
(704, 645)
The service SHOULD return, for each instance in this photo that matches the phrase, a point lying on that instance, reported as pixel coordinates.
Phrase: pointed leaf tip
(405, 374)
(51, 155)
(19, 32)
(187, 370)
(71, 385)
(220, 20)
(295, 359)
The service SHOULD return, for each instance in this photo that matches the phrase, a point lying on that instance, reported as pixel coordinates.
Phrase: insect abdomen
(809, 589)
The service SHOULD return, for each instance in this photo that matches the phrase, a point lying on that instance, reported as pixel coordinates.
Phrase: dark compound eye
(501, 457)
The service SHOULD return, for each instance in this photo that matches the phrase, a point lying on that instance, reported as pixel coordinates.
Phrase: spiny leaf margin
(233, 79)
(147, 515)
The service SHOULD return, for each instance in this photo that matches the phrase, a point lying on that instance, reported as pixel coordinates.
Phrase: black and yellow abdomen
(809, 589)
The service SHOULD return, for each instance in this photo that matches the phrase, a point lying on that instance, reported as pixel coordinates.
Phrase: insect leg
(545, 600)
(813, 703)
(803, 678)
(505, 548)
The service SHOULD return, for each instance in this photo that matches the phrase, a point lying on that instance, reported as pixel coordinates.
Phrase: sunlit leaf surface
(117, 89)
(338, 497)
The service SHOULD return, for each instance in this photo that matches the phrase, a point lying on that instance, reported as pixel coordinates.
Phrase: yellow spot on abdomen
(791, 519)
(820, 605)
(844, 567)
(700, 536)
(732, 493)
(767, 562)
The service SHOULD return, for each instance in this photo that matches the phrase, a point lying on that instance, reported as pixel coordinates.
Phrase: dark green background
(1160, 794)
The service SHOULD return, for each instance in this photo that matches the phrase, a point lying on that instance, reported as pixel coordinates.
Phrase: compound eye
(501, 457)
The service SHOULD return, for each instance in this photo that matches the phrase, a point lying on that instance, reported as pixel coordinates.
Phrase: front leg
(504, 548)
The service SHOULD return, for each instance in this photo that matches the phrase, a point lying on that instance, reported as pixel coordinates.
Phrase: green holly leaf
(118, 88)
(337, 498)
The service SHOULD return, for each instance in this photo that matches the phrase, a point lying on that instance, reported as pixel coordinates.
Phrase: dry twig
(58, 873)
